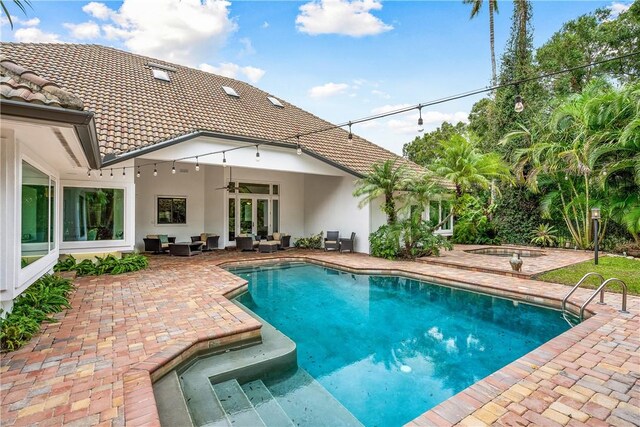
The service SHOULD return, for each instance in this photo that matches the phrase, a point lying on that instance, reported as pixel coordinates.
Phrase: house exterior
(101, 147)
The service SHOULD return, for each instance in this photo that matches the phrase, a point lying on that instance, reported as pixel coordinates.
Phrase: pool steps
(265, 404)
(236, 406)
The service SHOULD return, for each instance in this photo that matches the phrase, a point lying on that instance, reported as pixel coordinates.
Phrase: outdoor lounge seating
(246, 243)
(157, 243)
(209, 241)
(268, 246)
(331, 241)
(185, 248)
(283, 240)
(346, 244)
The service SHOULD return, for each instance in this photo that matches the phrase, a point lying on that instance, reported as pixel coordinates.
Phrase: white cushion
(330, 241)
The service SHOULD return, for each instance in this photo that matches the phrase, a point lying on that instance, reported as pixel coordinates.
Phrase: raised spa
(507, 252)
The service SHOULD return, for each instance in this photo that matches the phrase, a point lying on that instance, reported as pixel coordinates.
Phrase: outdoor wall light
(519, 106)
(138, 174)
(595, 213)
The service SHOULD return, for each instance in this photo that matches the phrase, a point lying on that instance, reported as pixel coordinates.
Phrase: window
(276, 215)
(172, 210)
(230, 91)
(160, 75)
(275, 101)
(438, 211)
(92, 214)
(245, 187)
(38, 206)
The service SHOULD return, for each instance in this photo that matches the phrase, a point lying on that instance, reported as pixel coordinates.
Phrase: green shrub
(47, 295)
(473, 225)
(103, 265)
(409, 239)
(544, 235)
(313, 242)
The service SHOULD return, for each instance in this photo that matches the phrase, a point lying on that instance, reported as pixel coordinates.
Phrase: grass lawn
(624, 269)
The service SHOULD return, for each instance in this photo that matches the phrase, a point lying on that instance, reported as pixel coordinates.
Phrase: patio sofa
(209, 241)
(157, 243)
(283, 240)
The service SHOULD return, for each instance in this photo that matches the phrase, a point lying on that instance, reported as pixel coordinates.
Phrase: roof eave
(113, 159)
(82, 121)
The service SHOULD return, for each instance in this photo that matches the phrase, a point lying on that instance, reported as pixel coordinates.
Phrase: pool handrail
(577, 285)
(601, 290)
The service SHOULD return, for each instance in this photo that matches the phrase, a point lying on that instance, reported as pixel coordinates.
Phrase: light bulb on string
(197, 164)
(88, 172)
(100, 173)
(420, 121)
(123, 172)
(224, 160)
(257, 154)
(138, 174)
(111, 173)
(173, 168)
(519, 105)
(298, 147)
(155, 170)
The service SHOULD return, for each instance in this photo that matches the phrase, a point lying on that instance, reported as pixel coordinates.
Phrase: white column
(9, 211)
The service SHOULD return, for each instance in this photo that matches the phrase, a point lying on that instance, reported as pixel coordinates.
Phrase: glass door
(262, 217)
(246, 216)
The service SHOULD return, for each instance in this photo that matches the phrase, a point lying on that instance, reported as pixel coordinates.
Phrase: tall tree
(423, 149)
(476, 5)
(385, 179)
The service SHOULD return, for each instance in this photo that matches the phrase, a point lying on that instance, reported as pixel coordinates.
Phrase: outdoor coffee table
(268, 246)
(185, 248)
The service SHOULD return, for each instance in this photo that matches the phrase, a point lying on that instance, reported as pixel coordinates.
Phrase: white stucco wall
(186, 182)
(329, 205)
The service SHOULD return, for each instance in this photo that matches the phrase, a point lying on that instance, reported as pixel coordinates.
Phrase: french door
(251, 217)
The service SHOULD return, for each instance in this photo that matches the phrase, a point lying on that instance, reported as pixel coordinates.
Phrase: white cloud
(183, 31)
(97, 10)
(35, 35)
(381, 94)
(234, 71)
(617, 8)
(350, 18)
(33, 22)
(86, 30)
(327, 89)
(265, 24)
(408, 124)
(247, 47)
(388, 108)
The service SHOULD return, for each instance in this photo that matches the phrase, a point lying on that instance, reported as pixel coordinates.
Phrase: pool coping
(138, 389)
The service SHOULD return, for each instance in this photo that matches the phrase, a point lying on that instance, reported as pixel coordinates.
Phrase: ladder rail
(577, 285)
(601, 290)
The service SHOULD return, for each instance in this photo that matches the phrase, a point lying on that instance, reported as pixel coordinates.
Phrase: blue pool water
(391, 348)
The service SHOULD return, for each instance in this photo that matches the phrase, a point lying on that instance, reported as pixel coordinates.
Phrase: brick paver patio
(95, 367)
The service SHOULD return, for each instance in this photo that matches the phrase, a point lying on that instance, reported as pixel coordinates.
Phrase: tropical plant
(21, 4)
(312, 242)
(384, 179)
(493, 8)
(103, 265)
(47, 295)
(590, 143)
(544, 235)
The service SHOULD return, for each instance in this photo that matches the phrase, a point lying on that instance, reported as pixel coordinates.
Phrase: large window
(37, 214)
(93, 214)
(438, 211)
(172, 210)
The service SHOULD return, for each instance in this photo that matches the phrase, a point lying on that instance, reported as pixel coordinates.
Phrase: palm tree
(476, 5)
(467, 168)
(587, 155)
(22, 4)
(385, 179)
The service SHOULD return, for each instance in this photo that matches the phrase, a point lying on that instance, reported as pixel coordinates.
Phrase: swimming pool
(391, 348)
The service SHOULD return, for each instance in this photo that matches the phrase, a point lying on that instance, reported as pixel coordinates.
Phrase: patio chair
(209, 241)
(331, 242)
(282, 239)
(347, 244)
(246, 243)
(157, 243)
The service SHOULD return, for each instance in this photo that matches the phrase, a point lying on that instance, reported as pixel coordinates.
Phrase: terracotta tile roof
(20, 84)
(133, 110)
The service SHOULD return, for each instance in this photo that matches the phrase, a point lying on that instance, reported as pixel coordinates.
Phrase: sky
(338, 59)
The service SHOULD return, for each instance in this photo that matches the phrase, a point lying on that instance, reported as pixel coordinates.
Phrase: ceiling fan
(230, 186)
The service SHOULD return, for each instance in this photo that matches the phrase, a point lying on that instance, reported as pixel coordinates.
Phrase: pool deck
(551, 260)
(96, 365)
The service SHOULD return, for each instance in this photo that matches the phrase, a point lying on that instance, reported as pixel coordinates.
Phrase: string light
(155, 170)
(88, 172)
(257, 153)
(138, 174)
(197, 164)
(420, 121)
(123, 172)
(100, 173)
(350, 137)
(224, 160)
(173, 168)
(111, 170)
(298, 147)
(519, 106)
